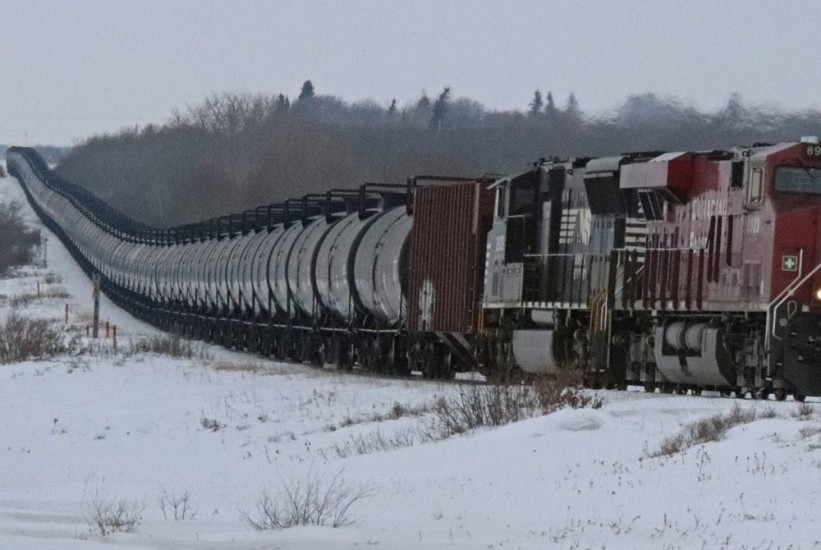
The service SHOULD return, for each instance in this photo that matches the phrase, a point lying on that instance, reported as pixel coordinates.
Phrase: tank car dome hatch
(380, 266)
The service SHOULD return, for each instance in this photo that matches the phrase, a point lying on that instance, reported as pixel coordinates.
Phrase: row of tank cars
(678, 271)
(320, 279)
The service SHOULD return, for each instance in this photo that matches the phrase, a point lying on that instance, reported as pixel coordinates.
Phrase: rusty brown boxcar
(448, 256)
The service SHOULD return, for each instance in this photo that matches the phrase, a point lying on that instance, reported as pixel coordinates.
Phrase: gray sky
(69, 69)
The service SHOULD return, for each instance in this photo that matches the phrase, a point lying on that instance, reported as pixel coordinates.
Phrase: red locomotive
(683, 271)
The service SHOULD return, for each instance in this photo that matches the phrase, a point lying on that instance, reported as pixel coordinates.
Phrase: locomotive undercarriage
(668, 352)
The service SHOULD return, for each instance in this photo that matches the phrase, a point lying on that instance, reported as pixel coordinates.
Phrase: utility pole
(96, 296)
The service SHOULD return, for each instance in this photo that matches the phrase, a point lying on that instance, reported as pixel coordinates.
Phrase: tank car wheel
(696, 390)
(283, 345)
(780, 394)
(650, 387)
(667, 388)
(725, 392)
(344, 360)
(761, 393)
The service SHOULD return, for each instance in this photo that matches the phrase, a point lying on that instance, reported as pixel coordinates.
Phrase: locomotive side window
(737, 175)
(754, 190)
(501, 199)
(798, 179)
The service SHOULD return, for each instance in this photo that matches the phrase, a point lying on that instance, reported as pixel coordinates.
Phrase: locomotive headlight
(818, 294)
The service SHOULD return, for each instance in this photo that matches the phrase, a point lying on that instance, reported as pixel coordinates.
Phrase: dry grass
(708, 429)
(170, 345)
(55, 293)
(376, 442)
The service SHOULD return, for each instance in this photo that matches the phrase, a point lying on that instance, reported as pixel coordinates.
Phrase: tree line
(235, 151)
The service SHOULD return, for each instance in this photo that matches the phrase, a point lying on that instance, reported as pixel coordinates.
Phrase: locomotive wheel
(780, 394)
(800, 397)
(650, 386)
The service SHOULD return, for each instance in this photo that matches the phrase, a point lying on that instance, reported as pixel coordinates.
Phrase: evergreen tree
(283, 104)
(536, 103)
(307, 91)
(439, 109)
(572, 109)
(551, 105)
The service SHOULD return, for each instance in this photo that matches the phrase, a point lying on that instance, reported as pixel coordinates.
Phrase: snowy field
(222, 428)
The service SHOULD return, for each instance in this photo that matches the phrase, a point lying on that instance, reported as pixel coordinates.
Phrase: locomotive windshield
(798, 179)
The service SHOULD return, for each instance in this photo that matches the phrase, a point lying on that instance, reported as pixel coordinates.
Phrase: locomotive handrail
(783, 296)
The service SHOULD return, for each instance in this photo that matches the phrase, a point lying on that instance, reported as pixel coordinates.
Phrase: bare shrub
(211, 424)
(565, 389)
(315, 500)
(496, 404)
(474, 406)
(106, 516)
(705, 430)
(52, 278)
(177, 506)
(22, 338)
(17, 241)
(769, 412)
(803, 411)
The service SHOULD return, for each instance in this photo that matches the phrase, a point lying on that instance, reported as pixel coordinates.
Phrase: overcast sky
(69, 69)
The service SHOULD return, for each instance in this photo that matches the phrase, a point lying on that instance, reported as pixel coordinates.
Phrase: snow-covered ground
(225, 427)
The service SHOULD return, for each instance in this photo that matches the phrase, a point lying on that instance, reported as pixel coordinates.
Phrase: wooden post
(38, 290)
(66, 313)
(107, 329)
(95, 323)
(114, 338)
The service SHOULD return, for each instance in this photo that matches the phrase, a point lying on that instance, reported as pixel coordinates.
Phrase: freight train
(679, 272)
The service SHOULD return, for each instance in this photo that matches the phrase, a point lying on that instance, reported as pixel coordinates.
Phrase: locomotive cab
(791, 178)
